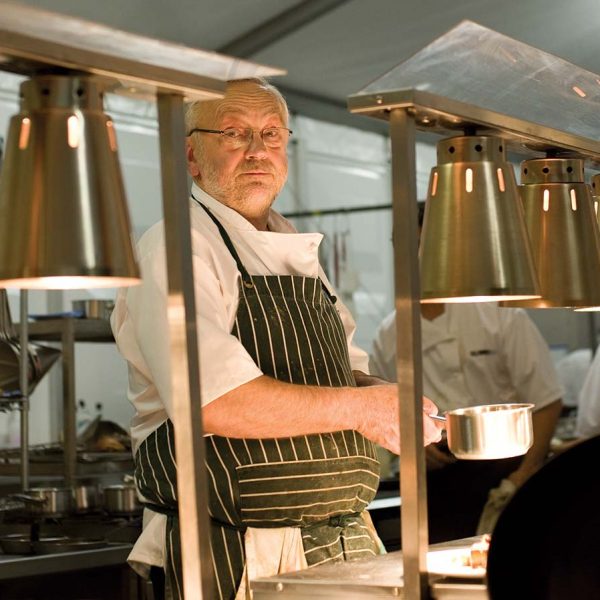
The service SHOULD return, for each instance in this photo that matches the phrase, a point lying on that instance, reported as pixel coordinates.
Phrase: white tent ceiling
(333, 48)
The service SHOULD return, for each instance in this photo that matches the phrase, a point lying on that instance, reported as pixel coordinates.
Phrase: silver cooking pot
(47, 501)
(121, 499)
(85, 498)
(489, 432)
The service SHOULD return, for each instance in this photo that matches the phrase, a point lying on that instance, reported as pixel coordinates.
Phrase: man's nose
(256, 145)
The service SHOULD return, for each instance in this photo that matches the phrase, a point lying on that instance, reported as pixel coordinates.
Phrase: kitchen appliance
(563, 229)
(86, 498)
(40, 358)
(470, 80)
(47, 502)
(474, 245)
(121, 499)
(65, 220)
(489, 432)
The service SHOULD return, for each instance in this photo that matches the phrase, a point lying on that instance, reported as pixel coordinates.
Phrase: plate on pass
(454, 562)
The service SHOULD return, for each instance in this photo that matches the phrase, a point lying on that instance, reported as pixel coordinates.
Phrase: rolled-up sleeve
(224, 363)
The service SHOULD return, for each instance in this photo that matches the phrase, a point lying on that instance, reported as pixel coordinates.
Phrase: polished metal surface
(408, 359)
(120, 499)
(23, 385)
(595, 189)
(475, 77)
(31, 39)
(476, 81)
(382, 576)
(47, 501)
(94, 308)
(564, 234)
(595, 185)
(490, 432)
(183, 340)
(86, 498)
(65, 222)
(22, 364)
(474, 245)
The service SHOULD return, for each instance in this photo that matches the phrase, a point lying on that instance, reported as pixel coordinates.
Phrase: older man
(291, 413)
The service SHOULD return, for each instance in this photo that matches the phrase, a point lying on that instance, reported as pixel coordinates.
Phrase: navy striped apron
(320, 483)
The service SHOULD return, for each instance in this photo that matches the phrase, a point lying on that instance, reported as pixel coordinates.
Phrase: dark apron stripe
(296, 358)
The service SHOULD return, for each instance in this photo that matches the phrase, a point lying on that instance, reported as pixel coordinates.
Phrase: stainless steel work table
(377, 577)
(13, 566)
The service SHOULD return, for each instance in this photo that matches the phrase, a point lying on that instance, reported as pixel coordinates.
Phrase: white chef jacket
(571, 370)
(476, 354)
(588, 410)
(139, 321)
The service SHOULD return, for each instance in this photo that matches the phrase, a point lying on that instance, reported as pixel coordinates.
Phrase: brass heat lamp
(64, 221)
(563, 230)
(474, 245)
(595, 185)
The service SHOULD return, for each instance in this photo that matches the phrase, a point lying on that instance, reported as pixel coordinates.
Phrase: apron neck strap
(227, 240)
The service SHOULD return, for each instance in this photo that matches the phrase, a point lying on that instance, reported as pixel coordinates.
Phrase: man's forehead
(264, 105)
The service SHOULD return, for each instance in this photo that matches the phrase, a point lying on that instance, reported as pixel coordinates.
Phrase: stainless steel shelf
(67, 331)
(81, 330)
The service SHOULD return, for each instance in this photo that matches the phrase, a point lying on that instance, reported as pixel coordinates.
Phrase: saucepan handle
(437, 418)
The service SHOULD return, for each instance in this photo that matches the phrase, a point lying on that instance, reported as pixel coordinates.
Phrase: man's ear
(192, 163)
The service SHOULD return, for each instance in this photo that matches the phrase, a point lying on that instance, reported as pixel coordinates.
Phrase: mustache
(257, 165)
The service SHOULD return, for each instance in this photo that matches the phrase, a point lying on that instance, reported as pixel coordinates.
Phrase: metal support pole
(24, 387)
(409, 359)
(192, 485)
(67, 338)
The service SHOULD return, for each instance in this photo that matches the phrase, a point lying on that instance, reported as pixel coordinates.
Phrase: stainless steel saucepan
(121, 499)
(47, 501)
(489, 432)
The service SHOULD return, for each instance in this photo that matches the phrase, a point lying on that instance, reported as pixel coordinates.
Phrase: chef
(476, 354)
(588, 406)
(291, 413)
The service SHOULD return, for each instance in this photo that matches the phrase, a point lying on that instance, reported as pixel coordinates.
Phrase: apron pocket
(297, 493)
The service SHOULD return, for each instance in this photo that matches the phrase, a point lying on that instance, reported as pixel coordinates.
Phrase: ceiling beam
(274, 29)
(310, 105)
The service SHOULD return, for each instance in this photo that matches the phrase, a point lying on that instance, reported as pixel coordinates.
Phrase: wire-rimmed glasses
(236, 137)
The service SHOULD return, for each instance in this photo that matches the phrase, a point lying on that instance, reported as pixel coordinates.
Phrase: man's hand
(380, 419)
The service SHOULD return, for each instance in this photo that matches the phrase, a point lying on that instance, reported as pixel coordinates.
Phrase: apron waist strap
(337, 521)
(169, 511)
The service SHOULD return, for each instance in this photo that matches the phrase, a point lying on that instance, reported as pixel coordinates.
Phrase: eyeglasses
(237, 137)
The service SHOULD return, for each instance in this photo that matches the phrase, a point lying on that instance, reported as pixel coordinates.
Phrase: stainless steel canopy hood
(469, 81)
(475, 78)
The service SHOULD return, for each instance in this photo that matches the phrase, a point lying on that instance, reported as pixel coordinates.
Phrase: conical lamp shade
(474, 244)
(563, 231)
(595, 185)
(63, 215)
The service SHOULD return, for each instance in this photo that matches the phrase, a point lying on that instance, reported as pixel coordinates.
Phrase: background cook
(476, 354)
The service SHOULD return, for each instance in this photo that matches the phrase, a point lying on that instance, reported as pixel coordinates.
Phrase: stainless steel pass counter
(377, 577)
(95, 574)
